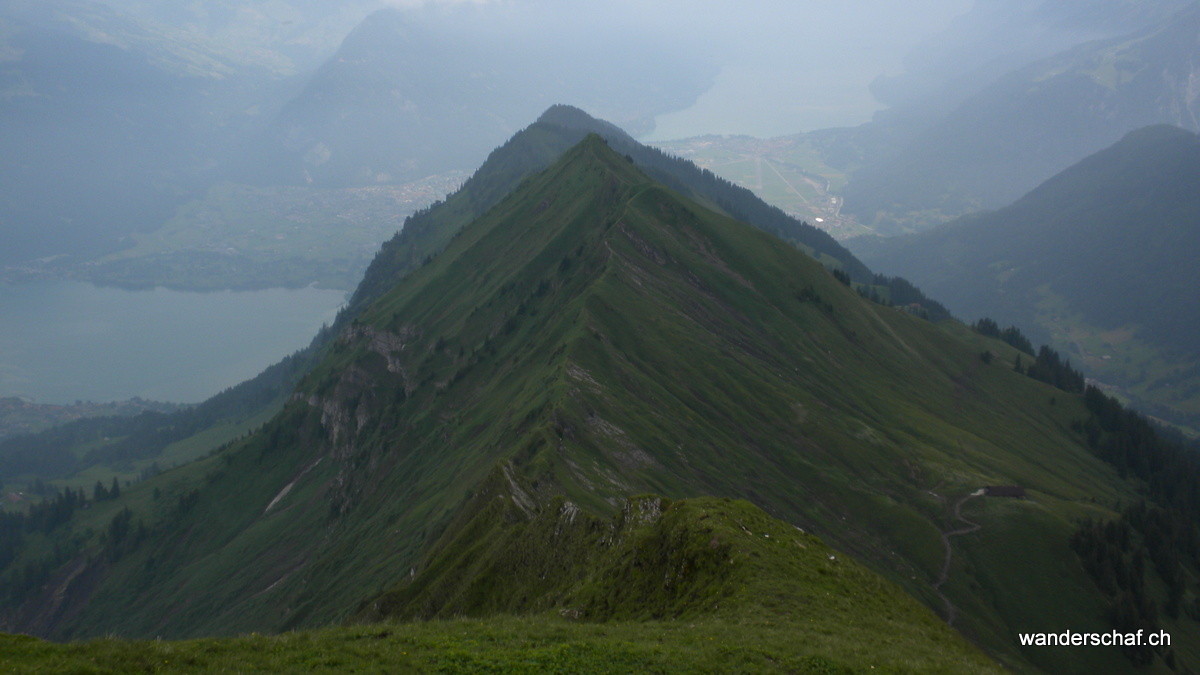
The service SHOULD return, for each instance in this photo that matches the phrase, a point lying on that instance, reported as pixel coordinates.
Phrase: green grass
(544, 643)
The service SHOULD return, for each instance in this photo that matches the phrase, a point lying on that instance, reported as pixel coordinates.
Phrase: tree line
(1156, 538)
(1047, 366)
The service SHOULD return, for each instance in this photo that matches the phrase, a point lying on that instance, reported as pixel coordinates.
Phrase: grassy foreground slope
(684, 586)
(500, 644)
(595, 336)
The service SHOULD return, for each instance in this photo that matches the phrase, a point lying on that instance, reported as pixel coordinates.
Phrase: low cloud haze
(785, 66)
(798, 66)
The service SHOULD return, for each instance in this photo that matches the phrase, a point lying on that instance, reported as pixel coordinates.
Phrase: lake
(62, 341)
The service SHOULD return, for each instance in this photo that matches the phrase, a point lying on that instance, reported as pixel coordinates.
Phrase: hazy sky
(787, 65)
(799, 65)
(796, 65)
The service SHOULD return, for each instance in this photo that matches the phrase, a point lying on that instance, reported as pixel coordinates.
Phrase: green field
(20, 416)
(173, 455)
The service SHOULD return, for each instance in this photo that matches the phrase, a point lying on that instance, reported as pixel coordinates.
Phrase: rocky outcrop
(391, 346)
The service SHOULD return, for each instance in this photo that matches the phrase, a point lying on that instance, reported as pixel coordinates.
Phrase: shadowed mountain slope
(1099, 260)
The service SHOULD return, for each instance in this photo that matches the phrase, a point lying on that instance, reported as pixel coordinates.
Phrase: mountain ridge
(740, 364)
(591, 336)
(424, 235)
(560, 127)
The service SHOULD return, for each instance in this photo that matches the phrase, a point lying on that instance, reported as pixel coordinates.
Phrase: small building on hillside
(1005, 491)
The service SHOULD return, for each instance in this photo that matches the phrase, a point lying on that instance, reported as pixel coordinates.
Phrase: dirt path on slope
(951, 610)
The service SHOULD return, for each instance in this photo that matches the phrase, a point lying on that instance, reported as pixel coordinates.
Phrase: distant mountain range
(107, 124)
(997, 37)
(1100, 260)
(117, 114)
(1024, 127)
(414, 92)
(287, 36)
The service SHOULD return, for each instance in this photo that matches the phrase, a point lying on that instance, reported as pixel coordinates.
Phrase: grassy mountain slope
(1099, 260)
(596, 335)
(1033, 123)
(422, 236)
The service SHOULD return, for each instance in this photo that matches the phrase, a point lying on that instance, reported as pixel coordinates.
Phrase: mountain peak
(591, 144)
(595, 150)
(561, 112)
(570, 117)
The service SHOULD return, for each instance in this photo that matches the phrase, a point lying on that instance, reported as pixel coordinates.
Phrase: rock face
(389, 345)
